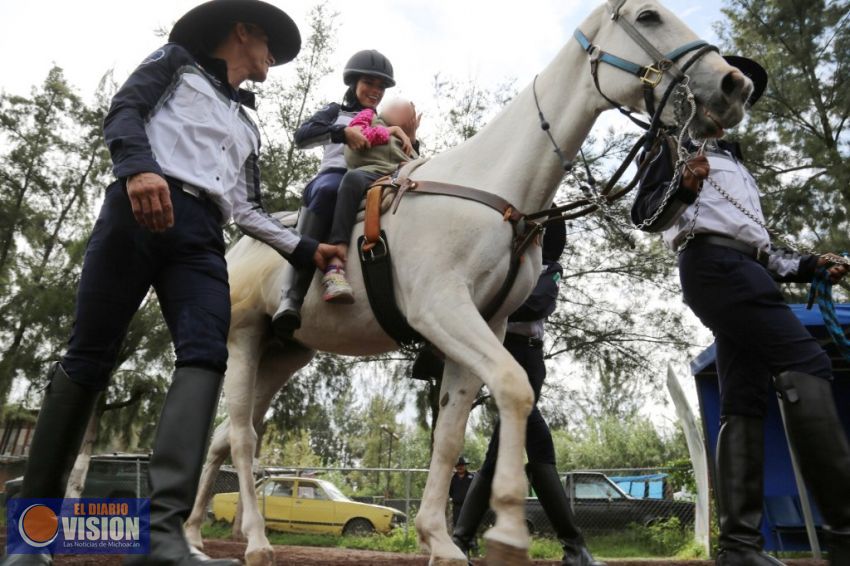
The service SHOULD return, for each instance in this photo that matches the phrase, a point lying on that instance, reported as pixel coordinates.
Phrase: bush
(667, 538)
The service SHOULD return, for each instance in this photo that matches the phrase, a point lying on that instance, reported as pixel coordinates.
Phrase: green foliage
(616, 443)
(796, 139)
(396, 541)
(667, 537)
(681, 474)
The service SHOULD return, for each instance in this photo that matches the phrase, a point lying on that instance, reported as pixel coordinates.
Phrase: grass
(665, 540)
(396, 541)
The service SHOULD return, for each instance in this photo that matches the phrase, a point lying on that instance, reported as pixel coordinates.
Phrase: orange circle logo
(38, 525)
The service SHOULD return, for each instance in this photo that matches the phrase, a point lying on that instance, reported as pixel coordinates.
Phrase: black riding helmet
(368, 62)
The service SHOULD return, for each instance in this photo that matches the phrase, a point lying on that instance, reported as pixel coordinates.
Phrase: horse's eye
(649, 17)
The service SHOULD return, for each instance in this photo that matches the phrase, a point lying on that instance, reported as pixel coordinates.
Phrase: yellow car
(308, 505)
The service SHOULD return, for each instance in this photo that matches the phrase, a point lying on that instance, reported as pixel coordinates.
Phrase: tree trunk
(77, 479)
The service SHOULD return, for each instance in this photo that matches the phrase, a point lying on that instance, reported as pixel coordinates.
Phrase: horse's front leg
(456, 395)
(457, 329)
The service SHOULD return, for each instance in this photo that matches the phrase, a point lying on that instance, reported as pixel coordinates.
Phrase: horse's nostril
(732, 83)
(729, 83)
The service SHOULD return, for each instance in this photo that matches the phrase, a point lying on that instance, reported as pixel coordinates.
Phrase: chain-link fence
(622, 512)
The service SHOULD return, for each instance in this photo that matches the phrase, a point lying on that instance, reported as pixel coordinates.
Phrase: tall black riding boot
(817, 435)
(474, 507)
(550, 492)
(297, 281)
(739, 486)
(175, 466)
(59, 431)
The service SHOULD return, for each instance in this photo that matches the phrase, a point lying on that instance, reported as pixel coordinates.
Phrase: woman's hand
(355, 139)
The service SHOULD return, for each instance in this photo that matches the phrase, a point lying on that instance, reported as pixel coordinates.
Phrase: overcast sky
(463, 39)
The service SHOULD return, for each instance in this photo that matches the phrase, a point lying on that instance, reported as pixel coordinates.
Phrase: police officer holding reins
(729, 271)
(184, 153)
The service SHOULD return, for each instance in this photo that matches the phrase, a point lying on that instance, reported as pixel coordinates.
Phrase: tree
(611, 442)
(285, 104)
(796, 138)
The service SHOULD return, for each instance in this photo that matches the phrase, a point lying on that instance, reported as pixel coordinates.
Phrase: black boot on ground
(739, 486)
(474, 507)
(817, 435)
(59, 431)
(553, 498)
(297, 281)
(175, 466)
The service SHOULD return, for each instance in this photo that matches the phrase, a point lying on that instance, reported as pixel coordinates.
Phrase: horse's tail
(251, 263)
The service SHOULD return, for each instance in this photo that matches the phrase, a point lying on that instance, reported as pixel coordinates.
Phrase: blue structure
(650, 486)
(783, 527)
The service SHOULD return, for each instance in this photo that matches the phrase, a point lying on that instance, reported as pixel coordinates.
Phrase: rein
(651, 76)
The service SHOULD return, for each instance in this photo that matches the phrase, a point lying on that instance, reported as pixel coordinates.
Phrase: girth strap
(497, 203)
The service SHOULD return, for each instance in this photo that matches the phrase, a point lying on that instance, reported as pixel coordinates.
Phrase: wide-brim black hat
(461, 461)
(752, 71)
(203, 24)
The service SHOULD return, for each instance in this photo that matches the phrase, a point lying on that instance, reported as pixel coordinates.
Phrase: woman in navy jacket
(367, 74)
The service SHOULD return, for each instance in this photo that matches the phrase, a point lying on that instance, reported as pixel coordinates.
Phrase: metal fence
(623, 512)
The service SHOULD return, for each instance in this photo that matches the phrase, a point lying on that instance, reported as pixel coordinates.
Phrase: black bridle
(651, 76)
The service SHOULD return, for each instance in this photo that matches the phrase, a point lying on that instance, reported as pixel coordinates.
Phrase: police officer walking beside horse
(185, 154)
(709, 211)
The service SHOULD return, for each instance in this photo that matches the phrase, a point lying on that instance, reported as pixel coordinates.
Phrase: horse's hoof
(501, 554)
(260, 557)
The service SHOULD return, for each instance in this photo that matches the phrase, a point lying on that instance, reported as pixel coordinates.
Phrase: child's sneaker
(337, 288)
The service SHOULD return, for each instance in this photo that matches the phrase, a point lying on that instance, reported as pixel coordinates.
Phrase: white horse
(450, 258)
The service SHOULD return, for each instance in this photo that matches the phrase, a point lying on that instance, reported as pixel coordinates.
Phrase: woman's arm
(321, 129)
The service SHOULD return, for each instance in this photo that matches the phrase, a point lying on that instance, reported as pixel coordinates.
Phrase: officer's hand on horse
(355, 139)
(151, 201)
(696, 169)
(836, 270)
(325, 252)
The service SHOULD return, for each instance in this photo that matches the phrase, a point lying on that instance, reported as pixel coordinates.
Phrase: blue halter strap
(648, 74)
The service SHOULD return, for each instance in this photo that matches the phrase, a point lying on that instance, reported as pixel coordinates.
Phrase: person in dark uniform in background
(185, 155)
(461, 480)
(367, 75)
(524, 340)
(728, 271)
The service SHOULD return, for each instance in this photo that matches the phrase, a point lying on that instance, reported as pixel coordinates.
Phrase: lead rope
(821, 292)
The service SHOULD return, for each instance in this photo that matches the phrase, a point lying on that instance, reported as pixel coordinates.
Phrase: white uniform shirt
(716, 215)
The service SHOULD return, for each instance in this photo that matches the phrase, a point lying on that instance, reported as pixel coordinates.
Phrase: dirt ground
(311, 556)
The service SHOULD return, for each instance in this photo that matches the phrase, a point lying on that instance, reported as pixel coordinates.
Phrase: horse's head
(629, 30)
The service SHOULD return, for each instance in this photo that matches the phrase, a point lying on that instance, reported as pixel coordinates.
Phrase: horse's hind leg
(456, 395)
(217, 454)
(247, 402)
